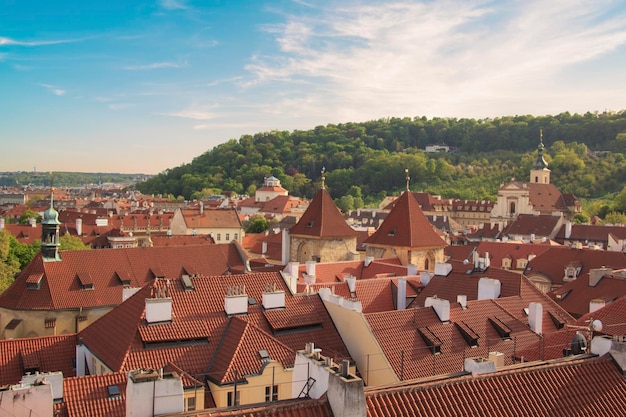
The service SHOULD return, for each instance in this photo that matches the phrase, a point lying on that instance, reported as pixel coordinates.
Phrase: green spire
(540, 163)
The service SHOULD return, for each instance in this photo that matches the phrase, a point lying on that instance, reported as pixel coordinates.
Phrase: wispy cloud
(173, 4)
(433, 57)
(155, 65)
(191, 113)
(120, 106)
(9, 41)
(53, 89)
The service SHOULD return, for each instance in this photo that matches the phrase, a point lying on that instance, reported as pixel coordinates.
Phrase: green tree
(69, 242)
(27, 215)
(615, 218)
(256, 224)
(581, 218)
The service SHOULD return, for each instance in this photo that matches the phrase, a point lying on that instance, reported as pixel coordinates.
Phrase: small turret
(50, 232)
(540, 172)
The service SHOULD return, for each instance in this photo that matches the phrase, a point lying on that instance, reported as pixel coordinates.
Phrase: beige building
(223, 225)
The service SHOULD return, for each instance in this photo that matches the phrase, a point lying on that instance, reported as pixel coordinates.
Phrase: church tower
(540, 174)
(50, 232)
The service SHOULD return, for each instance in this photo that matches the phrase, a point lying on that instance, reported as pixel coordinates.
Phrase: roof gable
(322, 219)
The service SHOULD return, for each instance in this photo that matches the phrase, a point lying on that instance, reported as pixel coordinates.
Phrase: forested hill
(586, 154)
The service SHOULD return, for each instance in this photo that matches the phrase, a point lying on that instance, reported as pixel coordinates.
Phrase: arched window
(512, 208)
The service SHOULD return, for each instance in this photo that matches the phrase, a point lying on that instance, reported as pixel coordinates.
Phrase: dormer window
(310, 224)
(392, 232)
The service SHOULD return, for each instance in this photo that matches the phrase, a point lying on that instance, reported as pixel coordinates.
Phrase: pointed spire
(540, 163)
(408, 179)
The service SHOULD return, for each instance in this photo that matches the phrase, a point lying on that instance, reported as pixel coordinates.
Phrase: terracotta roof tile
(406, 226)
(322, 219)
(576, 295)
(89, 396)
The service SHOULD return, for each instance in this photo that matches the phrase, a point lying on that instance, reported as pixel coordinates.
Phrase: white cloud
(173, 4)
(120, 106)
(9, 41)
(155, 65)
(433, 58)
(194, 114)
(54, 90)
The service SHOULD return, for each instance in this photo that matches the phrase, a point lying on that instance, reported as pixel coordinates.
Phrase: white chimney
(411, 270)
(568, 229)
(425, 277)
(310, 268)
(443, 269)
(286, 248)
(1, 223)
(149, 393)
(462, 300)
(158, 310)
(236, 300)
(441, 306)
(55, 379)
(367, 261)
(535, 317)
(79, 227)
(488, 288)
(596, 304)
(479, 366)
(33, 222)
(401, 302)
(351, 281)
(273, 298)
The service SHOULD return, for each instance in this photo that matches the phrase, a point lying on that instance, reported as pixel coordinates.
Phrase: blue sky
(142, 86)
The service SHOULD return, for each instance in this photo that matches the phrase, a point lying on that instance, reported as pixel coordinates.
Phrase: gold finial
(541, 135)
(323, 177)
(408, 179)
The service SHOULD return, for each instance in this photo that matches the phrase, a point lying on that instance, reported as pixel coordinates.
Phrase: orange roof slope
(322, 219)
(61, 283)
(406, 226)
(590, 387)
(88, 395)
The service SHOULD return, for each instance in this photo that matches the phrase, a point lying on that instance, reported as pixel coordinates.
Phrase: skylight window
(114, 392)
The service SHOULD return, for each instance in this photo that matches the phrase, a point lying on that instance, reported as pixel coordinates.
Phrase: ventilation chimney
(462, 300)
(401, 302)
(150, 393)
(535, 317)
(497, 358)
(310, 268)
(425, 277)
(236, 300)
(273, 298)
(441, 306)
(596, 274)
(488, 288)
(442, 269)
(79, 227)
(286, 246)
(568, 229)
(479, 366)
(411, 270)
(367, 261)
(596, 304)
(159, 306)
(33, 222)
(351, 281)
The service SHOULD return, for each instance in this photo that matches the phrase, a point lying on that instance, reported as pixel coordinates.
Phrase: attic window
(392, 232)
(85, 280)
(33, 282)
(50, 323)
(431, 340)
(264, 355)
(470, 336)
(310, 224)
(123, 277)
(559, 324)
(562, 295)
(114, 392)
(187, 283)
(503, 330)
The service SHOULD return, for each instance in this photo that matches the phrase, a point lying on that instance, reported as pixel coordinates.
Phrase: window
(271, 393)
(219, 236)
(512, 208)
(236, 236)
(227, 237)
(230, 397)
(190, 403)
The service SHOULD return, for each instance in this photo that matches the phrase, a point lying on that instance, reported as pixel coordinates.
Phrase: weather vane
(408, 179)
(323, 177)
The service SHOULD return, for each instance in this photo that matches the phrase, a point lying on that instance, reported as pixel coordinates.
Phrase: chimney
(441, 306)
(568, 229)
(1, 223)
(159, 305)
(425, 277)
(488, 288)
(310, 268)
(401, 302)
(150, 393)
(79, 227)
(596, 274)
(55, 379)
(462, 300)
(497, 358)
(346, 395)
(236, 300)
(535, 317)
(367, 261)
(286, 246)
(33, 222)
(479, 366)
(272, 298)
(411, 270)
(596, 304)
(201, 208)
(442, 269)
(351, 281)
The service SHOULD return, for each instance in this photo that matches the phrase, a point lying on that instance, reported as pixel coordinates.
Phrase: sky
(143, 86)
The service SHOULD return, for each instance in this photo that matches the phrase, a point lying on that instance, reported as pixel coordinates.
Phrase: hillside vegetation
(586, 154)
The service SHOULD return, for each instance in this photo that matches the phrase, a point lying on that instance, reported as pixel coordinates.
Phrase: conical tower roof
(322, 219)
(406, 226)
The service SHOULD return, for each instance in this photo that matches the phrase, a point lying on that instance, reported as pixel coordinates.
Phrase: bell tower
(540, 174)
(50, 232)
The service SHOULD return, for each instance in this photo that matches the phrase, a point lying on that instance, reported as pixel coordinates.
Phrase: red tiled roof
(322, 219)
(89, 396)
(527, 224)
(406, 226)
(591, 233)
(612, 317)
(181, 240)
(576, 295)
(48, 353)
(60, 289)
(289, 408)
(590, 387)
(116, 338)
(214, 218)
